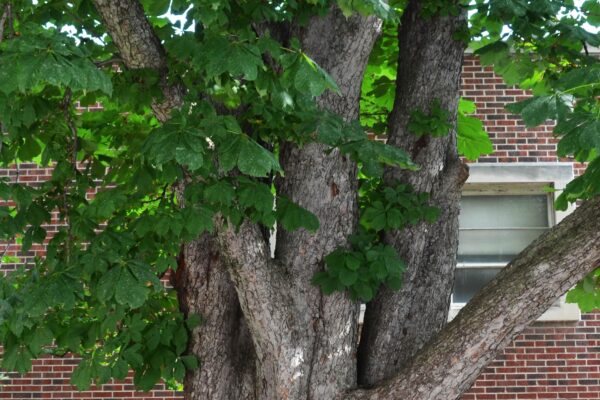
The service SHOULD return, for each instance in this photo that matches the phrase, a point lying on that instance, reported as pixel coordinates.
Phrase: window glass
(469, 280)
(492, 230)
(504, 211)
(501, 242)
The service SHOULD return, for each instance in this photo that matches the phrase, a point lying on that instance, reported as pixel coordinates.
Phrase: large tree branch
(245, 251)
(222, 342)
(524, 290)
(132, 33)
(139, 47)
(398, 323)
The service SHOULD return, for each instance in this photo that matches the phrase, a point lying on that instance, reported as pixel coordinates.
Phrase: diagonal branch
(139, 47)
(132, 33)
(453, 360)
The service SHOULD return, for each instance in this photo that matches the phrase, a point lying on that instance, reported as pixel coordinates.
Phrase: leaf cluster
(435, 122)
(370, 263)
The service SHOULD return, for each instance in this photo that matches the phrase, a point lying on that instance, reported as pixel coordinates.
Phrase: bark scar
(334, 190)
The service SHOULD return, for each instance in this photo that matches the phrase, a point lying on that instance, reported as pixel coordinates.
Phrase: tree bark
(326, 184)
(450, 363)
(305, 341)
(397, 324)
(139, 47)
(222, 342)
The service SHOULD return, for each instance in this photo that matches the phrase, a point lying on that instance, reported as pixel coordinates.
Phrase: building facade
(558, 357)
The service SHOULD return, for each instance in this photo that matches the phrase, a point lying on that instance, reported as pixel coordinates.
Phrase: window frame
(524, 178)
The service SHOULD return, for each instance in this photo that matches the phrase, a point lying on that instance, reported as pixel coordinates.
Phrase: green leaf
(537, 110)
(82, 376)
(473, 140)
(129, 291)
(120, 369)
(40, 337)
(363, 291)
(148, 378)
(191, 362)
(255, 160)
(348, 277)
(292, 217)
(193, 321)
(312, 77)
(374, 217)
(250, 157)
(108, 283)
(190, 158)
(221, 193)
(352, 262)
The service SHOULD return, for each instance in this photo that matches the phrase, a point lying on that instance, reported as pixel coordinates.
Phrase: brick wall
(49, 379)
(513, 142)
(548, 361)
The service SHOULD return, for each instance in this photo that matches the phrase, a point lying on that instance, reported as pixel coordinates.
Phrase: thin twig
(10, 25)
(3, 20)
(66, 105)
(8, 243)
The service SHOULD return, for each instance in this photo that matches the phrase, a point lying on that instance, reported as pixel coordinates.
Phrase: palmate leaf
(44, 56)
(292, 216)
(586, 294)
(238, 149)
(538, 109)
(351, 139)
(309, 75)
(473, 140)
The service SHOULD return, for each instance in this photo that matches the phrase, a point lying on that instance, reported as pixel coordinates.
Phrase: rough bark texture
(305, 341)
(326, 185)
(397, 324)
(139, 47)
(132, 34)
(450, 363)
(222, 342)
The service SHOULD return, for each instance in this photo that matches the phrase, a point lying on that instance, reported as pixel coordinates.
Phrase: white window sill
(565, 312)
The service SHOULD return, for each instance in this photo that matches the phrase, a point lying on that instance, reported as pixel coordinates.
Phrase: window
(493, 229)
(503, 209)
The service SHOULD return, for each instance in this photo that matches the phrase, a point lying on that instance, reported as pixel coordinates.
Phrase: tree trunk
(222, 342)
(268, 333)
(326, 184)
(305, 341)
(397, 324)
